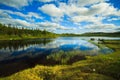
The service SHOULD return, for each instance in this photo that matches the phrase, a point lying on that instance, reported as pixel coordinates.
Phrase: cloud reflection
(35, 49)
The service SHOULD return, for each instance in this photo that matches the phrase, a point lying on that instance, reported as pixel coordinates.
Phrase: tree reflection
(17, 44)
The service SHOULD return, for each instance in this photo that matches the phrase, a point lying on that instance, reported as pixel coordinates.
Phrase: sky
(62, 16)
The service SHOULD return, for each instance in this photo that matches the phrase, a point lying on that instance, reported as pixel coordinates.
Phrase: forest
(10, 32)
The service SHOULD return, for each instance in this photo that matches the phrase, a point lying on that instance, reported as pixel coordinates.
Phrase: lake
(17, 55)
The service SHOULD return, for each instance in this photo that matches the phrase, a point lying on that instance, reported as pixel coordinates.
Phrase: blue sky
(62, 16)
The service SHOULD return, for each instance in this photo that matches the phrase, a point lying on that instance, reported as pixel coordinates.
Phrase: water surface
(21, 54)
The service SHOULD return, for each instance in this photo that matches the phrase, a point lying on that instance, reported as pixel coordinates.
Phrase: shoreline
(101, 67)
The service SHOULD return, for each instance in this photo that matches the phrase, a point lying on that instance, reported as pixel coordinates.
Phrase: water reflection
(18, 44)
(31, 48)
(19, 48)
(21, 54)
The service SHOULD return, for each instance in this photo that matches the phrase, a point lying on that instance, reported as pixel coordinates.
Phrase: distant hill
(112, 34)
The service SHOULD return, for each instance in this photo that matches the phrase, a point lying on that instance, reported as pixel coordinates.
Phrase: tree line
(10, 31)
(110, 34)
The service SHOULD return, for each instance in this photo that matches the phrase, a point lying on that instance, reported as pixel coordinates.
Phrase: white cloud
(50, 25)
(87, 19)
(46, 0)
(112, 19)
(28, 16)
(81, 13)
(15, 22)
(16, 3)
(4, 15)
(84, 2)
(32, 14)
(100, 9)
(51, 10)
(101, 26)
(72, 10)
(103, 9)
(53, 27)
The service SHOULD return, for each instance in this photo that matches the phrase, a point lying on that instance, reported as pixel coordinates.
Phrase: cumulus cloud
(87, 19)
(81, 13)
(51, 10)
(16, 3)
(72, 10)
(104, 9)
(96, 13)
(84, 2)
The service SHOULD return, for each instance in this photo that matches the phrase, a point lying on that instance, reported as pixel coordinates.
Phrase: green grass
(101, 67)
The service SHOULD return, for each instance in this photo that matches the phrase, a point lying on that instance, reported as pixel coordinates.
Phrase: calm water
(21, 54)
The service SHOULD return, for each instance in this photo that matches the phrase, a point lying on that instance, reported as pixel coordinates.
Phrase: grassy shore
(101, 67)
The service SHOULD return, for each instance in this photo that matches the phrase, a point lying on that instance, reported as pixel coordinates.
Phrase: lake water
(21, 54)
